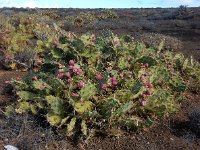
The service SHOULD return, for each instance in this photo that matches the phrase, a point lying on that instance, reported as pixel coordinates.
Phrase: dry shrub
(154, 39)
(3, 43)
(28, 133)
(79, 22)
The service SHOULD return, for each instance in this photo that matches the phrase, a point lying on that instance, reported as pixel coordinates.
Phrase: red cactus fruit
(67, 74)
(81, 84)
(79, 71)
(75, 70)
(99, 77)
(142, 78)
(104, 86)
(146, 65)
(74, 94)
(71, 62)
(148, 92)
(42, 87)
(71, 67)
(143, 103)
(60, 75)
(113, 81)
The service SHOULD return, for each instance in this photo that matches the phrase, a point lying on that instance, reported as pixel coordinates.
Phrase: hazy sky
(98, 3)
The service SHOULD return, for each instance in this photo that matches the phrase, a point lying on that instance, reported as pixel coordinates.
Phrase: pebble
(10, 147)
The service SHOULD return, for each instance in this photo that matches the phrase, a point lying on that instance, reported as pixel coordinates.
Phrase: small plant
(79, 22)
(91, 83)
(183, 9)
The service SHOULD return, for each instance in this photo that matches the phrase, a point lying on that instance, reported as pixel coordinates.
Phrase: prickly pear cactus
(104, 83)
(85, 106)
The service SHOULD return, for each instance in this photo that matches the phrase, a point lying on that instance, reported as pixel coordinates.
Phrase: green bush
(26, 37)
(103, 83)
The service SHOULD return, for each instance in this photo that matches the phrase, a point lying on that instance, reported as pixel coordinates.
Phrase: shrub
(79, 22)
(24, 39)
(102, 83)
(154, 39)
(182, 9)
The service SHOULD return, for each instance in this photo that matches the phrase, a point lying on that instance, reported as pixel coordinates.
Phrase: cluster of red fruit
(78, 71)
(68, 74)
(104, 86)
(145, 83)
(144, 65)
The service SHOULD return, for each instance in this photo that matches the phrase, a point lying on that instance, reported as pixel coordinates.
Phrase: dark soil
(178, 131)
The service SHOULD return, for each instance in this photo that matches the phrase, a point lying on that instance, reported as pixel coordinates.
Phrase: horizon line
(95, 7)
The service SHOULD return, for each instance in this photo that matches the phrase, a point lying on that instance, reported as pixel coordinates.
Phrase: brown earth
(173, 132)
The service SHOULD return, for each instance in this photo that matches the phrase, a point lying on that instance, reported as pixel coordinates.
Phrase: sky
(98, 3)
